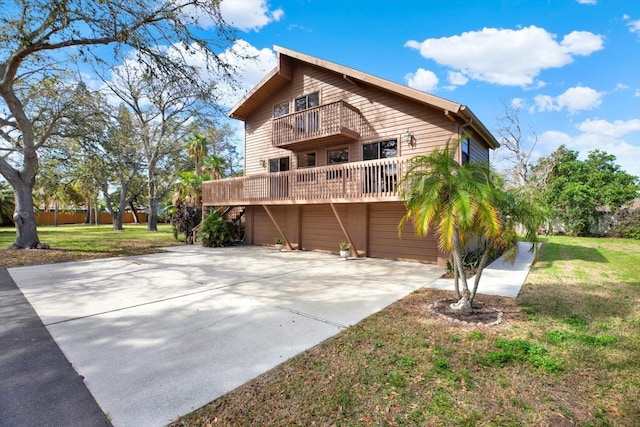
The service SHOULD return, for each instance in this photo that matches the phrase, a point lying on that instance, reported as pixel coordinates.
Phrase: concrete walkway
(157, 336)
(501, 278)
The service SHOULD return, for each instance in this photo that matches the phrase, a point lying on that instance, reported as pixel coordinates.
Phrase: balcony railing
(338, 119)
(375, 180)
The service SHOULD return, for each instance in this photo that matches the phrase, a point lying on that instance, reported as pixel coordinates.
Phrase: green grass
(569, 349)
(75, 242)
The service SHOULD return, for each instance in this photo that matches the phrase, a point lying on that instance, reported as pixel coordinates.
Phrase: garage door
(384, 241)
(320, 228)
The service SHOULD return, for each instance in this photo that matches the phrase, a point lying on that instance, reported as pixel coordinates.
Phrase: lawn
(567, 353)
(79, 242)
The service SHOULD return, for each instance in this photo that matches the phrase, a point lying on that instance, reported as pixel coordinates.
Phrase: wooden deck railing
(375, 180)
(336, 118)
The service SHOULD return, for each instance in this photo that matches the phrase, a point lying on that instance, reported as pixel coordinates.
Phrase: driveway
(157, 336)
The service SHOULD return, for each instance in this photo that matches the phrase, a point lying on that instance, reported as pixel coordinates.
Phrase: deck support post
(275, 223)
(344, 230)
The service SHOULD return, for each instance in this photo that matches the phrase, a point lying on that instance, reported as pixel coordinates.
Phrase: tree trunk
(464, 303)
(456, 280)
(483, 263)
(152, 220)
(134, 213)
(87, 216)
(24, 216)
(119, 215)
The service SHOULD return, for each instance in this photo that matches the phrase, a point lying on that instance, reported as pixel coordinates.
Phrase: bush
(217, 231)
(471, 261)
(626, 224)
(183, 220)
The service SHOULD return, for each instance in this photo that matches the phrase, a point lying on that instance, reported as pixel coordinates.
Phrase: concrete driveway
(157, 336)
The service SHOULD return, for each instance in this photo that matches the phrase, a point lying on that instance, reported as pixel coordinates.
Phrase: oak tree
(38, 38)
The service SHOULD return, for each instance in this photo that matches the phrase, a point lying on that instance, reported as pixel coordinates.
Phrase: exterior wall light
(263, 163)
(408, 139)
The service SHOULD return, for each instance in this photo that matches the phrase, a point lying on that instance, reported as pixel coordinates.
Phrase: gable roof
(282, 74)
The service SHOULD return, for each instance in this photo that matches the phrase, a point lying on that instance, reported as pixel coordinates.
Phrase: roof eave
(468, 117)
(233, 113)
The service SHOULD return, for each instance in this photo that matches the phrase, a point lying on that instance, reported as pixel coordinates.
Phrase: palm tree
(214, 165)
(458, 201)
(197, 148)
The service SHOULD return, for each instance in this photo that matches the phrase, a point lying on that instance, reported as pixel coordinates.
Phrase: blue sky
(572, 67)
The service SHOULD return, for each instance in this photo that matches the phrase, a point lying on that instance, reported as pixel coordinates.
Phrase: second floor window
(340, 155)
(380, 150)
(334, 157)
(279, 165)
(466, 151)
(307, 121)
(307, 160)
(307, 101)
(281, 109)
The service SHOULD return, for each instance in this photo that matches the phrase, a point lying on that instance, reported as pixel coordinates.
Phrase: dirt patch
(483, 314)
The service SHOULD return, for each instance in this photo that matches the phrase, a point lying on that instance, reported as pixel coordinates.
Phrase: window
(334, 157)
(307, 101)
(465, 148)
(380, 150)
(339, 155)
(307, 122)
(380, 178)
(279, 165)
(281, 109)
(279, 184)
(307, 160)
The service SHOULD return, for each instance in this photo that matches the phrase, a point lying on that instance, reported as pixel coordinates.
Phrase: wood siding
(320, 229)
(385, 116)
(384, 241)
(479, 151)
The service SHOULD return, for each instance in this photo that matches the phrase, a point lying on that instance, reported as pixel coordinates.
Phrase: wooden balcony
(317, 125)
(371, 181)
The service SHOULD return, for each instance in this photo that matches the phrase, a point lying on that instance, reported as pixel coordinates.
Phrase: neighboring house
(325, 148)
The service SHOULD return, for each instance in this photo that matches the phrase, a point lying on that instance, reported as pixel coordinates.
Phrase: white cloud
(249, 15)
(587, 1)
(251, 64)
(544, 103)
(457, 78)
(423, 80)
(602, 135)
(518, 103)
(634, 26)
(604, 128)
(574, 99)
(507, 57)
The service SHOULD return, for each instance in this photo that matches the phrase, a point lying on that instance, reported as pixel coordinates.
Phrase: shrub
(183, 220)
(217, 231)
(626, 224)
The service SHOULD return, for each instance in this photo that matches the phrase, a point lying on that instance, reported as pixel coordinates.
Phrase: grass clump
(519, 351)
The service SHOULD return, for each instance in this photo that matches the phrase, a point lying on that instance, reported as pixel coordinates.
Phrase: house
(325, 148)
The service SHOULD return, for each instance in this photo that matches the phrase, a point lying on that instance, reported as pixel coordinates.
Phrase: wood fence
(49, 218)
